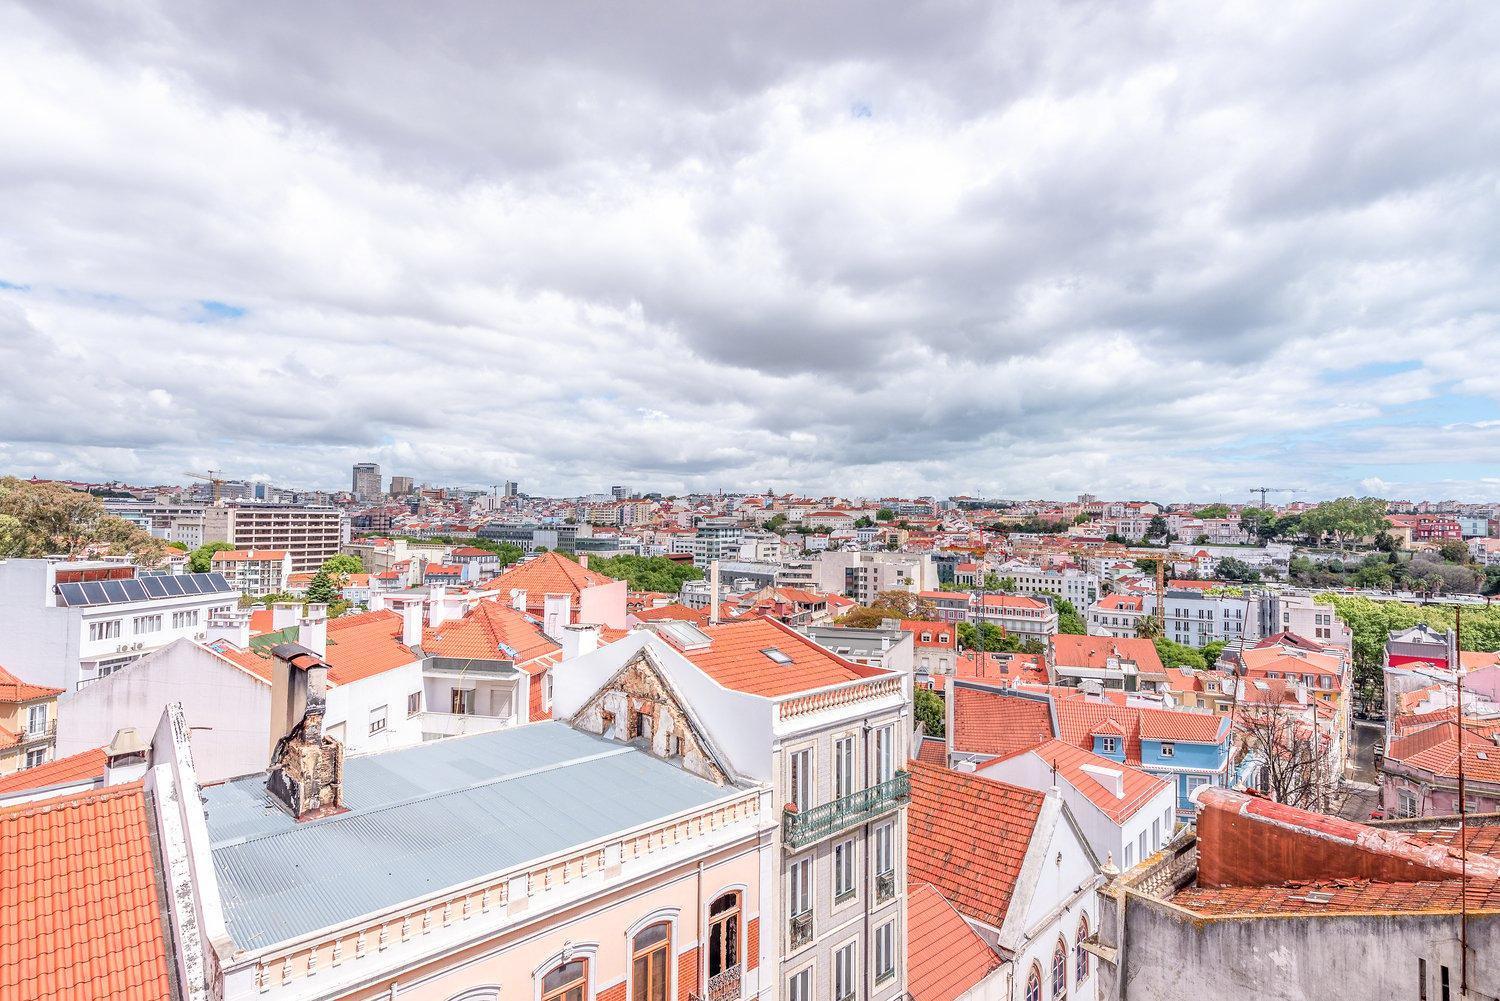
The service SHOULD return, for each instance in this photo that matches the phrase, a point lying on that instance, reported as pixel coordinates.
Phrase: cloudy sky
(1172, 250)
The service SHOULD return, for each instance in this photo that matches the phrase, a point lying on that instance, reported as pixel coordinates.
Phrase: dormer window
(1168, 749)
(1109, 745)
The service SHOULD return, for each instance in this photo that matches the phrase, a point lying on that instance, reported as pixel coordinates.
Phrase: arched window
(568, 982)
(724, 935)
(648, 962)
(1060, 970)
(1034, 983)
(1081, 963)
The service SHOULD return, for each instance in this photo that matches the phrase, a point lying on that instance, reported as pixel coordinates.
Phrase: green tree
(1178, 655)
(647, 573)
(864, 521)
(889, 605)
(1156, 529)
(1345, 519)
(201, 560)
(181, 547)
(1454, 551)
(1233, 569)
(1211, 651)
(776, 522)
(991, 638)
(1213, 511)
(323, 588)
(1068, 619)
(928, 708)
(343, 564)
(885, 514)
(46, 519)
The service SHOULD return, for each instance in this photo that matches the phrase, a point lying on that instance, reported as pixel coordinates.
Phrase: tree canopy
(46, 519)
(1068, 619)
(1213, 511)
(928, 708)
(1178, 655)
(889, 605)
(1234, 569)
(647, 573)
(344, 564)
(1345, 519)
(1372, 621)
(991, 638)
(885, 514)
(201, 560)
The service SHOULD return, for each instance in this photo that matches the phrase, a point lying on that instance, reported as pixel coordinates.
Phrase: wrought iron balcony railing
(803, 828)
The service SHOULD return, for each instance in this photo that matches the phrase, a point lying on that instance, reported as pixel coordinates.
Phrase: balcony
(799, 829)
(885, 886)
(47, 732)
(724, 986)
(435, 725)
(801, 931)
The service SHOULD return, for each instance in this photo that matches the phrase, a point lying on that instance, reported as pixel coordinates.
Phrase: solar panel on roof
(93, 593)
(133, 590)
(155, 586)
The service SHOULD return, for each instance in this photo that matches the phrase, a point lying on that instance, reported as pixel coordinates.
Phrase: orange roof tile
(549, 573)
(359, 646)
(1094, 652)
(492, 630)
(674, 612)
(1138, 787)
(13, 689)
(79, 912)
(995, 722)
(968, 836)
(735, 659)
(947, 957)
(1359, 896)
(940, 635)
(73, 769)
(933, 751)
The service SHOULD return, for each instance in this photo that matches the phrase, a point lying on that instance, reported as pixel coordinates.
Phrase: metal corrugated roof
(428, 817)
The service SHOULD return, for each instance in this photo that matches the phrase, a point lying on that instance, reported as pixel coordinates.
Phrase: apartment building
(173, 522)
(1297, 612)
(68, 623)
(1117, 615)
(310, 535)
(830, 739)
(1015, 613)
(1195, 618)
(255, 572)
(28, 723)
(859, 575)
(1077, 586)
(365, 483)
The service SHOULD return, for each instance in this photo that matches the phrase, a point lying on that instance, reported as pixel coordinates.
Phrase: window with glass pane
(648, 968)
(843, 767)
(844, 973)
(1081, 970)
(843, 869)
(801, 791)
(885, 855)
(885, 950)
(800, 896)
(885, 766)
(566, 983)
(1060, 970)
(1034, 984)
(799, 988)
(724, 934)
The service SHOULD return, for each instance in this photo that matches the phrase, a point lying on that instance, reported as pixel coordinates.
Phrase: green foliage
(343, 564)
(990, 637)
(1454, 551)
(1372, 621)
(993, 582)
(323, 588)
(1211, 651)
(951, 586)
(776, 522)
(508, 552)
(889, 605)
(1068, 619)
(864, 521)
(1213, 511)
(1345, 519)
(201, 560)
(181, 547)
(1177, 655)
(1081, 518)
(1157, 528)
(885, 514)
(647, 573)
(45, 519)
(928, 708)
(1233, 569)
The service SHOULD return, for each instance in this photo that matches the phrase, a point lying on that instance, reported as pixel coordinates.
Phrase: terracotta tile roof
(947, 957)
(1079, 718)
(1006, 668)
(1177, 724)
(735, 659)
(1138, 787)
(1094, 652)
(1435, 750)
(260, 621)
(549, 573)
(1011, 601)
(933, 751)
(995, 722)
(63, 771)
(940, 635)
(13, 689)
(1287, 638)
(1120, 603)
(79, 914)
(1265, 660)
(1360, 896)
(968, 836)
(360, 645)
(675, 612)
(493, 630)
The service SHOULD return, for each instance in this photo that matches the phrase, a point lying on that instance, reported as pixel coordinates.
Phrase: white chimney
(579, 640)
(557, 614)
(518, 598)
(436, 612)
(125, 759)
(583, 560)
(233, 627)
(713, 592)
(411, 622)
(964, 766)
(283, 615)
(312, 630)
(376, 602)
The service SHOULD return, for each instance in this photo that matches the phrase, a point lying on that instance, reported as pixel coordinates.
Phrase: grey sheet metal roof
(425, 818)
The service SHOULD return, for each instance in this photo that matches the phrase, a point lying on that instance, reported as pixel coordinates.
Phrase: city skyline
(849, 250)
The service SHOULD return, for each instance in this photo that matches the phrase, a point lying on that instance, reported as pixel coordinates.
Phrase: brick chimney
(307, 766)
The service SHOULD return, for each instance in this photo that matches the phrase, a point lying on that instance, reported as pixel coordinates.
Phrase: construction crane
(214, 476)
(1270, 490)
(1160, 559)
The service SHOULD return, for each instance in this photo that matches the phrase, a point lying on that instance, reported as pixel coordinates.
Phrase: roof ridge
(49, 803)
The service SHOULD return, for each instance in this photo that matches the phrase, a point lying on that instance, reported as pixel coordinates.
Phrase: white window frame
(885, 753)
(32, 726)
(843, 871)
(36, 756)
(1168, 749)
(1108, 745)
(846, 971)
(104, 629)
(799, 887)
(799, 985)
(885, 849)
(413, 704)
(380, 718)
(885, 951)
(800, 778)
(844, 773)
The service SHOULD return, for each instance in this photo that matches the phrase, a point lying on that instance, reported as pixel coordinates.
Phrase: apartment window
(845, 974)
(1080, 954)
(1443, 984)
(799, 988)
(724, 934)
(1166, 822)
(801, 790)
(885, 849)
(36, 757)
(648, 963)
(1155, 834)
(1060, 970)
(1108, 745)
(1421, 980)
(378, 719)
(1168, 750)
(108, 629)
(885, 750)
(1406, 803)
(843, 871)
(799, 888)
(885, 951)
(1129, 855)
(843, 767)
(144, 624)
(1034, 983)
(413, 703)
(185, 620)
(36, 719)
(567, 982)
